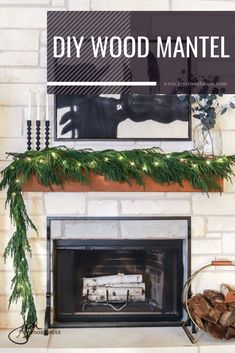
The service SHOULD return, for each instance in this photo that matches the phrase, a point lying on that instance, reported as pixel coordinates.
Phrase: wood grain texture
(100, 184)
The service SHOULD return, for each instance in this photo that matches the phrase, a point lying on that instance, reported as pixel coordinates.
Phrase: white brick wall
(22, 66)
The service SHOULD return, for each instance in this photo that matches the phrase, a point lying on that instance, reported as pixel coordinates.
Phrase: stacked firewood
(214, 311)
(114, 288)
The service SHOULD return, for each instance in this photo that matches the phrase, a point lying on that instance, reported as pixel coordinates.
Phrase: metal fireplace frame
(52, 325)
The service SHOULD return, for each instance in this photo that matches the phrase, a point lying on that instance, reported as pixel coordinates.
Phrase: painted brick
(2, 206)
(34, 206)
(79, 5)
(123, 5)
(92, 230)
(221, 223)
(198, 261)
(11, 122)
(215, 204)
(228, 142)
(18, 17)
(37, 263)
(206, 246)
(213, 235)
(5, 223)
(43, 38)
(102, 208)
(24, 2)
(39, 301)
(178, 195)
(65, 203)
(18, 58)
(43, 57)
(161, 207)
(34, 75)
(4, 238)
(38, 246)
(10, 144)
(17, 94)
(198, 226)
(57, 3)
(203, 5)
(212, 280)
(40, 223)
(229, 186)
(229, 243)
(19, 40)
(11, 320)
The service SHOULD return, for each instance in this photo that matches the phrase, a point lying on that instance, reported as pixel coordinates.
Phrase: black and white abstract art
(133, 116)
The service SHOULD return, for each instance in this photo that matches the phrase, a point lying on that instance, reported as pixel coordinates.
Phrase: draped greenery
(56, 165)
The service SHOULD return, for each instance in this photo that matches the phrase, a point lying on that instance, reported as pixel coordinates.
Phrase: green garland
(57, 165)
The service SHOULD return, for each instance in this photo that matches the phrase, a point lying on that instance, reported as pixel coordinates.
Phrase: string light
(194, 165)
(120, 158)
(182, 160)
(28, 159)
(78, 164)
(168, 156)
(132, 164)
(17, 180)
(156, 163)
(220, 160)
(92, 164)
(13, 194)
(208, 162)
(41, 160)
(144, 168)
(53, 154)
(106, 159)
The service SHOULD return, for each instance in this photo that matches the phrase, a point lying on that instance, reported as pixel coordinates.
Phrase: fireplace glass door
(117, 282)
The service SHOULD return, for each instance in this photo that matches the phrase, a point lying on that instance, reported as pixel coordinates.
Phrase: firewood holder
(192, 330)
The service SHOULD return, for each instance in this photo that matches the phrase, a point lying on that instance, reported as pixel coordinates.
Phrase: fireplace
(132, 275)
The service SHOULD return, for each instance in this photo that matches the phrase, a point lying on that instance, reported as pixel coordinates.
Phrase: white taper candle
(47, 108)
(29, 106)
(38, 105)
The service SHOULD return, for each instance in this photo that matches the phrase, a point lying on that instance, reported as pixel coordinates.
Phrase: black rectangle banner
(121, 52)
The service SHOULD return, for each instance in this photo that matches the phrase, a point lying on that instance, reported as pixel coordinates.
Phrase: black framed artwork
(122, 117)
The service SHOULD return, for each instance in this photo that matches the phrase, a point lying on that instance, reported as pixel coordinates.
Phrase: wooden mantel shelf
(100, 184)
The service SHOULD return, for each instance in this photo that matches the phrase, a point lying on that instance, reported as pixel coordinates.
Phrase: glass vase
(208, 141)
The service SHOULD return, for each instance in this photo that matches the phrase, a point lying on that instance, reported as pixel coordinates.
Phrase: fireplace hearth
(133, 276)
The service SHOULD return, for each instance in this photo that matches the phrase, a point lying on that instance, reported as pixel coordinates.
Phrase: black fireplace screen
(118, 281)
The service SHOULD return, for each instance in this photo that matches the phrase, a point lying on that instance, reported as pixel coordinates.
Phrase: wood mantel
(100, 184)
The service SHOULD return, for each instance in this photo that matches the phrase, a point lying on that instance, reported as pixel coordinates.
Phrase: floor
(116, 340)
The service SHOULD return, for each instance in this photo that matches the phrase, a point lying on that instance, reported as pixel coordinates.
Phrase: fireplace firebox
(121, 281)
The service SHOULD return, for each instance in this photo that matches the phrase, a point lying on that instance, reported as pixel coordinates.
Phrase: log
(120, 278)
(117, 298)
(199, 306)
(227, 318)
(119, 291)
(216, 330)
(216, 299)
(228, 292)
(115, 294)
(230, 333)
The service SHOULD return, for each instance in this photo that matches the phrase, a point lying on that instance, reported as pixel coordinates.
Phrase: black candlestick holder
(29, 135)
(47, 133)
(38, 134)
